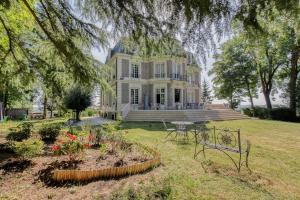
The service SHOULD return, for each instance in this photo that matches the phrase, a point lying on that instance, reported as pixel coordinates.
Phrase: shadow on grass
(155, 126)
(246, 177)
(45, 175)
(6, 152)
(14, 166)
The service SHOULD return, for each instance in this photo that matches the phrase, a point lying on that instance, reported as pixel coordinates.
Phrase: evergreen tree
(206, 96)
(78, 99)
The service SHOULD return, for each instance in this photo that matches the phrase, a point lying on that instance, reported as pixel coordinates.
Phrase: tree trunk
(77, 115)
(5, 98)
(293, 80)
(45, 107)
(231, 102)
(267, 99)
(51, 113)
(266, 91)
(249, 93)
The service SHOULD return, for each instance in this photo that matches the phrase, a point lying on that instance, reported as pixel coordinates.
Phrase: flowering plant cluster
(72, 145)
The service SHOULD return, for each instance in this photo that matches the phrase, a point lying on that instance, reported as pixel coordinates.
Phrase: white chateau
(164, 82)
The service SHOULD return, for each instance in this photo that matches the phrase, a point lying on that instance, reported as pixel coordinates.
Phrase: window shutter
(125, 68)
(169, 68)
(125, 93)
(197, 95)
(151, 70)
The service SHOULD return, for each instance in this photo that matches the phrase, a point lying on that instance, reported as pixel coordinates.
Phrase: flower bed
(109, 172)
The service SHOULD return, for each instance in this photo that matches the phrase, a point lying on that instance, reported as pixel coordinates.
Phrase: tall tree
(78, 99)
(235, 67)
(206, 93)
(288, 27)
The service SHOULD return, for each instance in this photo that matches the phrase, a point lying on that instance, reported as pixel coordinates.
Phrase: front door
(160, 97)
(177, 96)
(134, 97)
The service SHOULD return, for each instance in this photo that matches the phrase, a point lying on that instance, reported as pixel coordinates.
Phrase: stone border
(112, 172)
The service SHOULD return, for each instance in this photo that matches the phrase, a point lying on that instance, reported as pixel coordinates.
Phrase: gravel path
(92, 121)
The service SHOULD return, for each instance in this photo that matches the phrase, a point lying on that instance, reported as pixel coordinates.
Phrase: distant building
(158, 82)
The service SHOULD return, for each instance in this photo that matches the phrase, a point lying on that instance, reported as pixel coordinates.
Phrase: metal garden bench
(224, 140)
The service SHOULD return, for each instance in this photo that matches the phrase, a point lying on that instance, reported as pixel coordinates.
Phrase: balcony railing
(162, 75)
(178, 77)
(134, 76)
(194, 83)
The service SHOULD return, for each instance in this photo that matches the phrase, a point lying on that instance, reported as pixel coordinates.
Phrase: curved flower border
(111, 172)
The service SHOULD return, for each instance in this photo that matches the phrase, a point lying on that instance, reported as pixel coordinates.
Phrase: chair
(181, 129)
(169, 130)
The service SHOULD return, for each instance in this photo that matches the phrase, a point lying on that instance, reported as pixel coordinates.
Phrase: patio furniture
(225, 140)
(181, 128)
(169, 130)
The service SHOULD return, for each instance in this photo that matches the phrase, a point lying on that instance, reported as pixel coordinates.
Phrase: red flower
(68, 133)
(91, 137)
(55, 147)
(72, 137)
(87, 145)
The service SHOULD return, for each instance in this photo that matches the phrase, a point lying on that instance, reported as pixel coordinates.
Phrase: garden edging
(111, 172)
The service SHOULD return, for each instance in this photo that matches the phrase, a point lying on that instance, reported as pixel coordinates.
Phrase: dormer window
(134, 70)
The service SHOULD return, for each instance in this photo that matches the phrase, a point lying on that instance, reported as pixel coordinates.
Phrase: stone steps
(184, 115)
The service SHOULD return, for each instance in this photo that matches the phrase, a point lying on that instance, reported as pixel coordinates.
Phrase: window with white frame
(160, 96)
(191, 97)
(176, 70)
(190, 79)
(159, 70)
(134, 96)
(134, 70)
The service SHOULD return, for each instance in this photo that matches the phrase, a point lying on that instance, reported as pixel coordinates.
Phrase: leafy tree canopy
(78, 99)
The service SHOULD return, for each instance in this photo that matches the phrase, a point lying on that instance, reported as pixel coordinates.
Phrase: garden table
(181, 127)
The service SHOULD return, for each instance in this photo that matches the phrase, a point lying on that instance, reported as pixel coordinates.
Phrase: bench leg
(169, 133)
(203, 149)
(247, 153)
(196, 153)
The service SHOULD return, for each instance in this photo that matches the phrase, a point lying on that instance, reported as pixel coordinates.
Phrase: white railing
(125, 110)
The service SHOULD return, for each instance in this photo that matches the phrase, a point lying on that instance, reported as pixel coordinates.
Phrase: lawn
(274, 161)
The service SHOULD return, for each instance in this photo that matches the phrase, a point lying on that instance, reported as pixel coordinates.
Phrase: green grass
(5, 126)
(274, 161)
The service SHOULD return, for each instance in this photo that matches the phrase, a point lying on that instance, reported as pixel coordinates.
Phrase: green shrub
(22, 132)
(49, 133)
(29, 148)
(7, 148)
(283, 114)
(248, 112)
(261, 113)
(71, 146)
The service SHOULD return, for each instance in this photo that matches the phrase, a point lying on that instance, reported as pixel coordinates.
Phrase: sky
(101, 56)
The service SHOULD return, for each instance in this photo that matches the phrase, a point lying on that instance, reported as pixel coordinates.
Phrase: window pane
(162, 99)
(177, 95)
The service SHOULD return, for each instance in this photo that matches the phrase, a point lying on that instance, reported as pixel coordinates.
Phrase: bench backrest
(219, 138)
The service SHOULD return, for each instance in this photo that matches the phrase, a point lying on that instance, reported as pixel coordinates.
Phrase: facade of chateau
(164, 82)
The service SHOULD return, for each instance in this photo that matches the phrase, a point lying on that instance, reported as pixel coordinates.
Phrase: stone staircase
(214, 106)
(184, 115)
